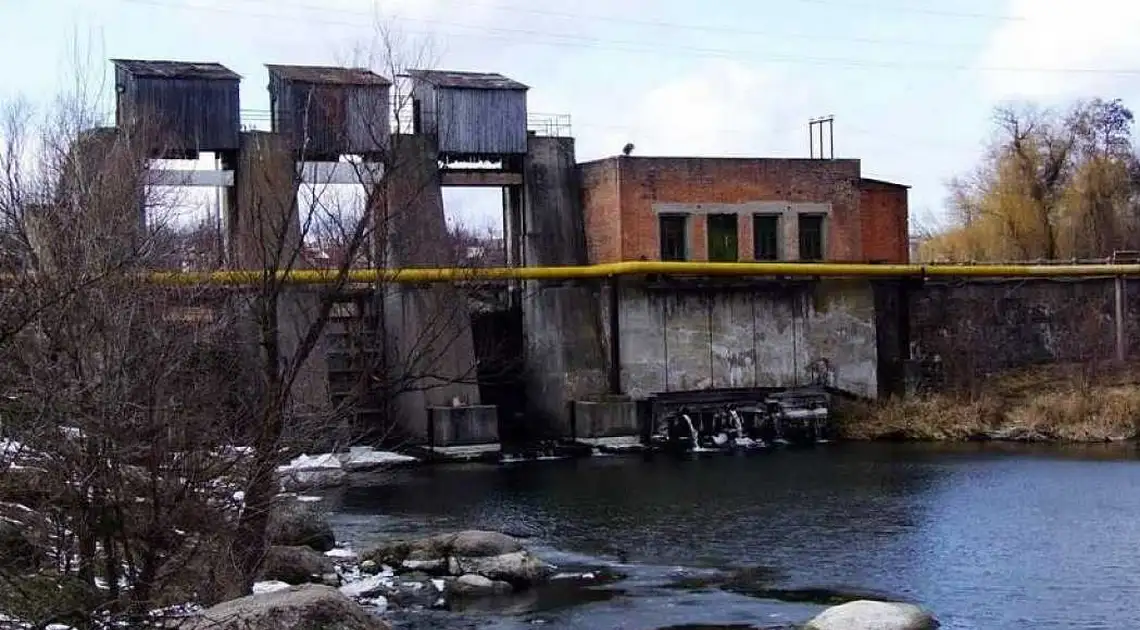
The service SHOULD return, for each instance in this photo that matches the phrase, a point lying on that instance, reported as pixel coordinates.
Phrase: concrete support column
(263, 223)
(566, 357)
(430, 343)
(297, 309)
(263, 231)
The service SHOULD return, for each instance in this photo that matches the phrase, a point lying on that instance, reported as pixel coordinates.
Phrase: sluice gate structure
(634, 291)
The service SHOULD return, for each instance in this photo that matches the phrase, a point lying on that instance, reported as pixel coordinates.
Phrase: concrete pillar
(566, 356)
(264, 232)
(263, 223)
(101, 195)
(431, 350)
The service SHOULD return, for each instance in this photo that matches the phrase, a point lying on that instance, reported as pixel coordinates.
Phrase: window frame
(735, 218)
(683, 220)
(758, 220)
(821, 232)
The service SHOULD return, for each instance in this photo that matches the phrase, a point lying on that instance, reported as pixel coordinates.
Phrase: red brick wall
(725, 180)
(601, 209)
(884, 222)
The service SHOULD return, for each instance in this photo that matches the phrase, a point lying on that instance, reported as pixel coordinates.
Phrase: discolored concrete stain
(765, 336)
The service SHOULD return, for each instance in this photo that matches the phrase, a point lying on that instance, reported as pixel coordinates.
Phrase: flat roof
(176, 69)
(327, 75)
(712, 158)
(883, 182)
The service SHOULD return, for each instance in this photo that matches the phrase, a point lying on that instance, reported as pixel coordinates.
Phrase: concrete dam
(697, 360)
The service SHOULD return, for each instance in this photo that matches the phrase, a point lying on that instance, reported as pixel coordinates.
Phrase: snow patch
(363, 458)
(368, 585)
(324, 461)
(271, 586)
(379, 603)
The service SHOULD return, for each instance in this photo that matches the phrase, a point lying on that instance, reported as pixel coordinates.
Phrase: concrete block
(606, 418)
(463, 425)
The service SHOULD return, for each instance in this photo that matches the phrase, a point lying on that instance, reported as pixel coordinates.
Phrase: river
(986, 537)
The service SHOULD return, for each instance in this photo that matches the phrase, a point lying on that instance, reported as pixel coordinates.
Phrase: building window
(766, 236)
(673, 234)
(811, 237)
(722, 238)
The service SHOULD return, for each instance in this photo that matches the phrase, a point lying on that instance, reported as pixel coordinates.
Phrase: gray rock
(298, 525)
(478, 544)
(871, 615)
(295, 565)
(370, 567)
(472, 543)
(520, 568)
(471, 585)
(309, 607)
(434, 566)
(492, 555)
(318, 479)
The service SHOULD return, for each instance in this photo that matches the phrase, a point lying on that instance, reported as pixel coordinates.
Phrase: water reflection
(989, 537)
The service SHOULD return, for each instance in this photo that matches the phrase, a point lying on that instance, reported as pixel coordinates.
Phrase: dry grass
(1053, 403)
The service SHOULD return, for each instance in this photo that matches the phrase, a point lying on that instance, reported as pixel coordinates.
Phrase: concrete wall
(561, 321)
(757, 334)
(959, 332)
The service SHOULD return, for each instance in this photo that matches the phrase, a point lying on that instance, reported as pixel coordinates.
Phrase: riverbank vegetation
(1061, 402)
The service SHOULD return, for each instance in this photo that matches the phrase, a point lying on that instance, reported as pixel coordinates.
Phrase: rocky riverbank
(308, 581)
(441, 572)
(1057, 403)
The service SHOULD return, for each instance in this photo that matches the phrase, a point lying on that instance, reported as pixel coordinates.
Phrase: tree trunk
(250, 541)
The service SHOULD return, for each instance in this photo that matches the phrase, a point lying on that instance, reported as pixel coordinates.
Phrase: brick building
(729, 209)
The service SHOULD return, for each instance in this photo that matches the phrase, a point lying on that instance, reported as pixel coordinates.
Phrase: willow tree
(1052, 185)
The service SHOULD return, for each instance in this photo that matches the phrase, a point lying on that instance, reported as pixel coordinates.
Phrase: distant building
(729, 209)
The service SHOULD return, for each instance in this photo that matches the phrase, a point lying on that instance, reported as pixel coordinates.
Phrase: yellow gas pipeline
(636, 268)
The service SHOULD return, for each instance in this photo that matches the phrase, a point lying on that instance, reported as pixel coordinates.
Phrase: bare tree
(400, 220)
(120, 398)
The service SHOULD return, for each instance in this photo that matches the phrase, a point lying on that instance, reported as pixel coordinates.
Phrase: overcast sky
(911, 83)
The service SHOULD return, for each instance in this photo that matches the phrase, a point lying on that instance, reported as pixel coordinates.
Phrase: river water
(986, 537)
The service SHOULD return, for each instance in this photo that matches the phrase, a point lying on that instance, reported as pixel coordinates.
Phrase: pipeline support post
(1118, 319)
(615, 334)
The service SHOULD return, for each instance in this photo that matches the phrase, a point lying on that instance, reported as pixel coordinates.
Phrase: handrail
(633, 268)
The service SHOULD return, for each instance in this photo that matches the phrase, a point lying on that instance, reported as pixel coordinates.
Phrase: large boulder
(295, 565)
(471, 585)
(309, 607)
(437, 549)
(300, 525)
(871, 615)
(520, 568)
(492, 555)
(479, 544)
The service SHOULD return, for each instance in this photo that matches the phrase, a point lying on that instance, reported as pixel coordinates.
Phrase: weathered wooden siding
(368, 119)
(194, 114)
(479, 121)
(331, 120)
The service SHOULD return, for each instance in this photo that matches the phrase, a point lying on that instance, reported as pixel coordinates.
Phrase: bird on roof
(627, 149)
